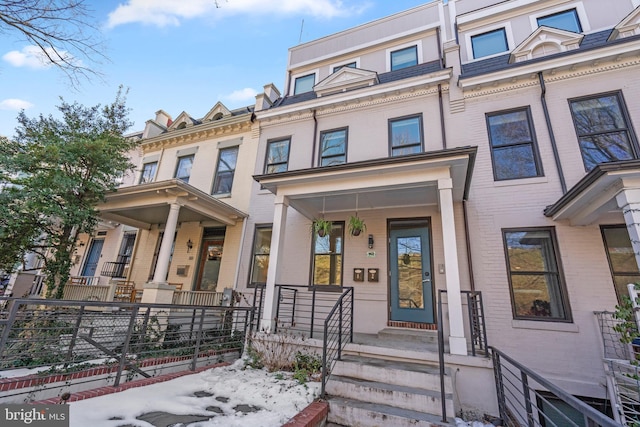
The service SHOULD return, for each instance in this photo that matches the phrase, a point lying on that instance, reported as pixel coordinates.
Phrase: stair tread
(392, 364)
(387, 410)
(389, 387)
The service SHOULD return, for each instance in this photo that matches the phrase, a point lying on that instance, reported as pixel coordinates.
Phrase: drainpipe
(315, 139)
(467, 241)
(442, 129)
(552, 138)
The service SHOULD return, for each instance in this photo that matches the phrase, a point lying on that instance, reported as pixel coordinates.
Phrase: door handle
(426, 280)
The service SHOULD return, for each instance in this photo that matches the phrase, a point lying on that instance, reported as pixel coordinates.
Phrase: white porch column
(457, 341)
(162, 265)
(275, 258)
(629, 201)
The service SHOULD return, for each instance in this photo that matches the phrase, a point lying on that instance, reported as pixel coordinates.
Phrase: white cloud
(15, 104)
(169, 12)
(246, 94)
(33, 57)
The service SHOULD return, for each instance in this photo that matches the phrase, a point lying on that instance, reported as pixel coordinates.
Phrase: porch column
(275, 258)
(629, 201)
(162, 265)
(457, 341)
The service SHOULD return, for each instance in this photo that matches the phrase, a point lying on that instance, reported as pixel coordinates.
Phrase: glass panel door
(210, 259)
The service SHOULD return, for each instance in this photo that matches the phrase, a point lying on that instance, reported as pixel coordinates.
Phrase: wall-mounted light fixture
(81, 244)
(370, 241)
(189, 245)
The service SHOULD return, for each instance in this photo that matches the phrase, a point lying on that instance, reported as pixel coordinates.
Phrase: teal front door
(410, 266)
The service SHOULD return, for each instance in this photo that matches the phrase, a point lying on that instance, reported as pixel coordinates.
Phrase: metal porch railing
(338, 332)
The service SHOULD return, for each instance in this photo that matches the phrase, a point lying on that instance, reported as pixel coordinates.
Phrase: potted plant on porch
(321, 226)
(356, 225)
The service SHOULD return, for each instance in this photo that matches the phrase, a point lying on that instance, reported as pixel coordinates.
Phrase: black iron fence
(49, 344)
(527, 399)
(338, 331)
(115, 269)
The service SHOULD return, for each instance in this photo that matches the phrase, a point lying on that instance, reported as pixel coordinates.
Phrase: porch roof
(146, 204)
(594, 196)
(374, 184)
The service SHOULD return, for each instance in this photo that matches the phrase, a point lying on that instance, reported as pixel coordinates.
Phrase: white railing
(38, 285)
(88, 293)
(197, 298)
(84, 280)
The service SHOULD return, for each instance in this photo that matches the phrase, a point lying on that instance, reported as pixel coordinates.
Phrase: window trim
(175, 173)
(416, 43)
(217, 170)
(320, 287)
(401, 118)
(583, 17)
(336, 67)
(603, 228)
(575, 13)
(633, 141)
(153, 177)
(562, 290)
(295, 78)
(469, 45)
(346, 144)
(257, 227)
(266, 157)
(534, 143)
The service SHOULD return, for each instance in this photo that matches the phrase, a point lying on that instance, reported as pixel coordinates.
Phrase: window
(536, 283)
(404, 58)
(183, 171)
(277, 156)
(327, 256)
(489, 43)
(349, 65)
(567, 20)
(148, 172)
(602, 127)
(333, 147)
(405, 135)
(513, 149)
(622, 258)
(304, 84)
(260, 255)
(225, 170)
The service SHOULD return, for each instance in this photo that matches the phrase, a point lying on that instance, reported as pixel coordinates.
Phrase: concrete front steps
(367, 391)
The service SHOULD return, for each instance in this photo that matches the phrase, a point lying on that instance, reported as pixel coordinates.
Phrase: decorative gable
(545, 41)
(217, 112)
(345, 79)
(629, 26)
(182, 121)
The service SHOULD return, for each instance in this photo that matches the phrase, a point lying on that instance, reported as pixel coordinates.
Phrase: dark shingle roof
(499, 63)
(391, 76)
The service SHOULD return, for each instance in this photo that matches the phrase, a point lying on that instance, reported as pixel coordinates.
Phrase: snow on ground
(281, 397)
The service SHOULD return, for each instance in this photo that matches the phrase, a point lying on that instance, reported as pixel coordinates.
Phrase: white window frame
(578, 6)
(416, 43)
(508, 32)
(338, 64)
(292, 86)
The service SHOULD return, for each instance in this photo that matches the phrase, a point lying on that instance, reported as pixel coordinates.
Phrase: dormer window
(404, 58)
(304, 84)
(489, 43)
(182, 125)
(218, 116)
(567, 20)
(349, 65)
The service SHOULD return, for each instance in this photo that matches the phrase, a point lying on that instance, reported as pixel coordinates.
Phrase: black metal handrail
(115, 269)
(520, 404)
(339, 319)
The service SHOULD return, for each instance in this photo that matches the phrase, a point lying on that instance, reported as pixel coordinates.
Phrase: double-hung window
(183, 170)
(304, 84)
(622, 258)
(535, 279)
(405, 135)
(489, 43)
(277, 156)
(148, 172)
(333, 147)
(514, 151)
(327, 256)
(349, 65)
(260, 255)
(404, 58)
(566, 20)
(227, 159)
(602, 127)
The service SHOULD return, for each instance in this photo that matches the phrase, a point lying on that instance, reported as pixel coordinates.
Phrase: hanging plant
(322, 227)
(356, 225)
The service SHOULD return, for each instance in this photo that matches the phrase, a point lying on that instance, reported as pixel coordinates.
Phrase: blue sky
(181, 55)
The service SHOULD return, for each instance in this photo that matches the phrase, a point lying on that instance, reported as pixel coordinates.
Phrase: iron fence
(338, 331)
(525, 398)
(49, 344)
(613, 347)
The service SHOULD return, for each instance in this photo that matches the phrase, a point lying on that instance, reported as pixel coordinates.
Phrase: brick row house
(488, 146)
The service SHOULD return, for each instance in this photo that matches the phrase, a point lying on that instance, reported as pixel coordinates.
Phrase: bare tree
(63, 31)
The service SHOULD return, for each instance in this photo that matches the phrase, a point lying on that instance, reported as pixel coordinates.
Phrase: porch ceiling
(375, 184)
(594, 196)
(143, 205)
